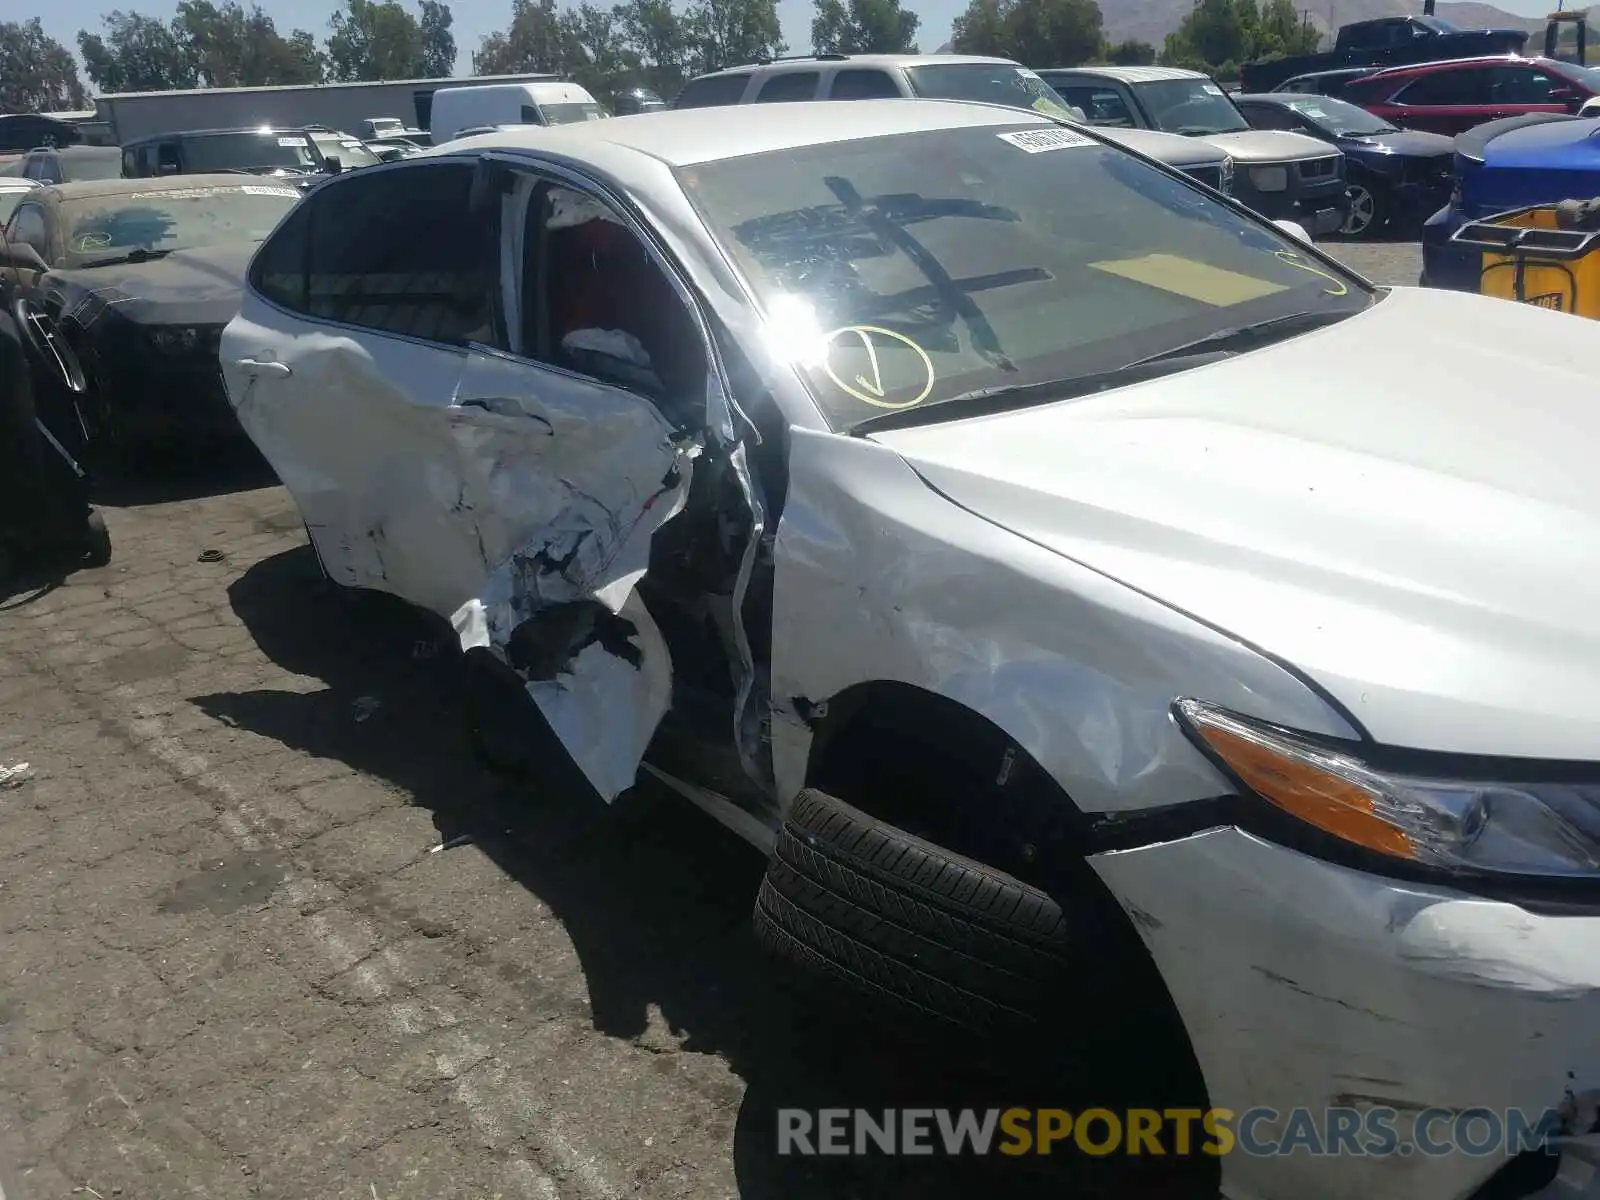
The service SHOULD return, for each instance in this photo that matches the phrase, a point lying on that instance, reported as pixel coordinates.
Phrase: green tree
(438, 58)
(374, 39)
(726, 33)
(863, 27)
(233, 47)
(37, 73)
(661, 41)
(1217, 35)
(603, 61)
(537, 40)
(138, 54)
(1131, 53)
(1041, 33)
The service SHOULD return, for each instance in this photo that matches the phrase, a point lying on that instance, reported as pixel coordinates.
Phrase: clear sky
(474, 18)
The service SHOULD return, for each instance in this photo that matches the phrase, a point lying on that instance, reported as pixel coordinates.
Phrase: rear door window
(399, 254)
(712, 90)
(863, 85)
(1468, 86)
(788, 87)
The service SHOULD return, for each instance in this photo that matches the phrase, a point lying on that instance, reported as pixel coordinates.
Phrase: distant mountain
(1151, 20)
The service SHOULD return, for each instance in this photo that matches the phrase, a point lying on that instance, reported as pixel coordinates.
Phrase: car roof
(884, 61)
(1477, 60)
(685, 136)
(265, 130)
(1333, 72)
(1129, 74)
(94, 189)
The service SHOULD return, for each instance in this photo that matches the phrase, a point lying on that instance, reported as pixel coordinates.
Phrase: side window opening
(788, 86)
(531, 116)
(713, 90)
(603, 307)
(403, 257)
(859, 84)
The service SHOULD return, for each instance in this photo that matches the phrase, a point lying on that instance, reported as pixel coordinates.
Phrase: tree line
(650, 43)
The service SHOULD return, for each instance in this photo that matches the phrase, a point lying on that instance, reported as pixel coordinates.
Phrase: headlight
(1269, 179)
(1483, 824)
(178, 339)
(1226, 186)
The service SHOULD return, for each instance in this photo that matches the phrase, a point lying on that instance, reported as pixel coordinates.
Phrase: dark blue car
(1396, 177)
(1541, 158)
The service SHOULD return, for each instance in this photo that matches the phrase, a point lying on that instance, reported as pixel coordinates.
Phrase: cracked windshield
(909, 272)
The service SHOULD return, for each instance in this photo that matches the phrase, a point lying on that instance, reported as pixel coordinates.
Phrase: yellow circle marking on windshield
(91, 241)
(1294, 260)
(869, 388)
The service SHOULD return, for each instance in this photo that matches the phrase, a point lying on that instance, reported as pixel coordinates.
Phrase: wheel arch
(1041, 836)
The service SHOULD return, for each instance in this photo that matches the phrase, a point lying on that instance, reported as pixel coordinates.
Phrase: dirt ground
(237, 964)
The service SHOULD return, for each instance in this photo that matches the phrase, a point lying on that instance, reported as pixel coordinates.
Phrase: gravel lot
(236, 968)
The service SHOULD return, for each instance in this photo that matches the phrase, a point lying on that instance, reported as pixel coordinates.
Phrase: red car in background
(1453, 96)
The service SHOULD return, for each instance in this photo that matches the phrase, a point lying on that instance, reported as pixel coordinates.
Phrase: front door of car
(441, 448)
(1447, 101)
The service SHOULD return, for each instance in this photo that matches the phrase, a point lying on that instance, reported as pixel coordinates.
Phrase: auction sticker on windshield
(1037, 141)
(250, 190)
(180, 194)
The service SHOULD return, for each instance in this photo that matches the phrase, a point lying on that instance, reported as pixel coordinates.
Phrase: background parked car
(1396, 178)
(68, 164)
(1325, 83)
(935, 77)
(138, 276)
(1452, 97)
(1541, 158)
(1284, 176)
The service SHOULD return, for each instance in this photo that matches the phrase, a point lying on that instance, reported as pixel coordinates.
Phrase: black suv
(304, 152)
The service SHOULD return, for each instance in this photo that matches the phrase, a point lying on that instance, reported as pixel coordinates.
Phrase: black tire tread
(857, 900)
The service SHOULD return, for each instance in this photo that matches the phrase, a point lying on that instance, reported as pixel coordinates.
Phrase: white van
(553, 103)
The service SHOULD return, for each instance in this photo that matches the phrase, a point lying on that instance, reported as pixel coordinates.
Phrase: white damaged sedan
(1095, 601)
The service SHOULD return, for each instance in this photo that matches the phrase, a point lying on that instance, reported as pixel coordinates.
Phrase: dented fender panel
(879, 578)
(1369, 992)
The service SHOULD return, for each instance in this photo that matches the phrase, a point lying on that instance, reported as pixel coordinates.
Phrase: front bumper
(1320, 213)
(1305, 985)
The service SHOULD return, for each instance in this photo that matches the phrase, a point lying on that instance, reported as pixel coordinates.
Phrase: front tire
(916, 927)
(97, 548)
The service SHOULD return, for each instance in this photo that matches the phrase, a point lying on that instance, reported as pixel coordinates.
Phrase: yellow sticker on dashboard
(1194, 280)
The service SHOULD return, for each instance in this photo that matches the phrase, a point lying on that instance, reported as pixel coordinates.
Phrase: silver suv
(935, 77)
(1284, 176)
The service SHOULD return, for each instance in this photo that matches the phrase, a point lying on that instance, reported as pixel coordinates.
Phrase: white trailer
(344, 106)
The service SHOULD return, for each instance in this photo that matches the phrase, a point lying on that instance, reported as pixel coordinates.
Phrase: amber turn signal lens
(1291, 778)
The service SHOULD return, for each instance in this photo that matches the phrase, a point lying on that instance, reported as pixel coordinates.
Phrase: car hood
(1403, 507)
(1561, 144)
(1270, 145)
(188, 287)
(1412, 142)
(1170, 148)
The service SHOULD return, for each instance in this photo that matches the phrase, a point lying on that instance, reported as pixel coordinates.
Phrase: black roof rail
(766, 62)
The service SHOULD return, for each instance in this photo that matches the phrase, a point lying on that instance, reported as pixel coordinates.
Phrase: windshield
(248, 152)
(1589, 77)
(110, 227)
(905, 271)
(349, 151)
(570, 114)
(1191, 106)
(994, 83)
(1340, 117)
(1439, 25)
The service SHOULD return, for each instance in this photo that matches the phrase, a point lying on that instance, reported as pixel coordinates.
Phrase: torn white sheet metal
(880, 578)
(1371, 994)
(569, 209)
(568, 529)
